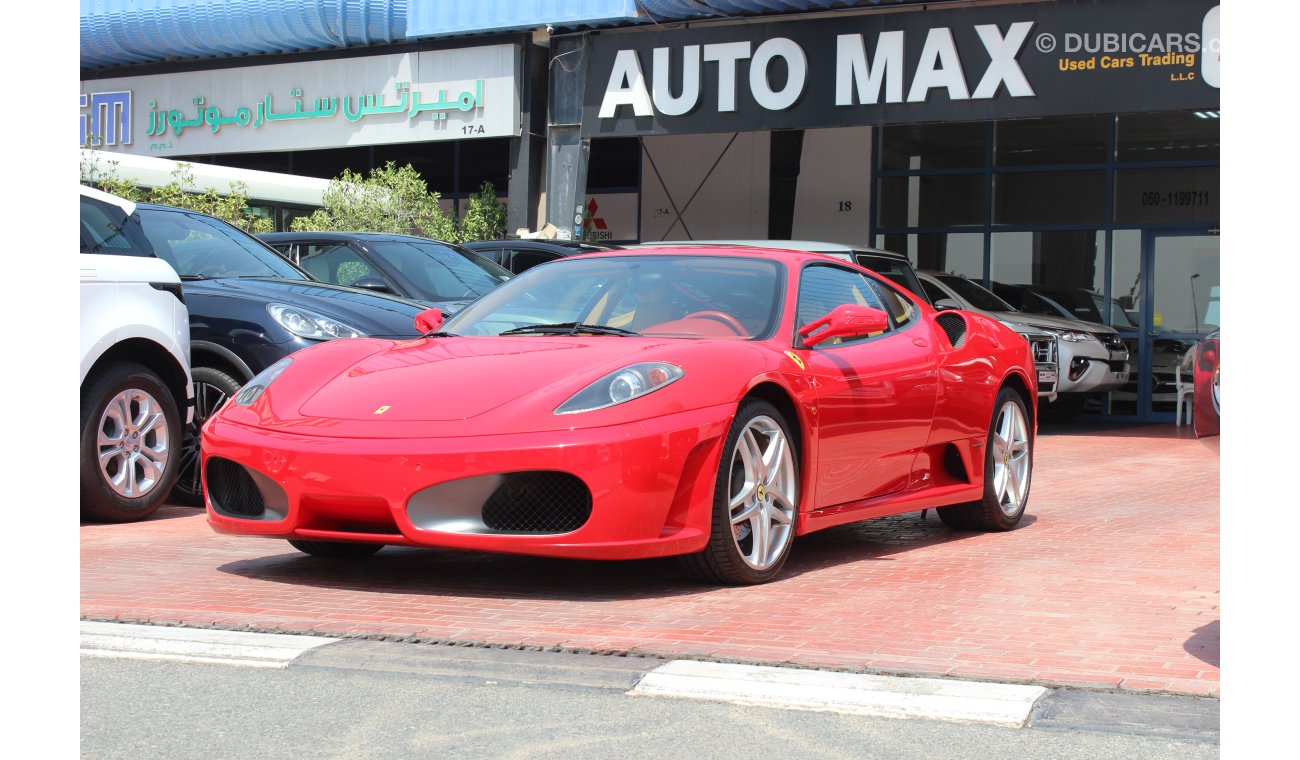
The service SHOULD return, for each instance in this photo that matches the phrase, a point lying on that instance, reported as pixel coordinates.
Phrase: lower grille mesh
(232, 490)
(538, 502)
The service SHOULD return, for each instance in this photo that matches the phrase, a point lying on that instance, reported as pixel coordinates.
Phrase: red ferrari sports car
(709, 403)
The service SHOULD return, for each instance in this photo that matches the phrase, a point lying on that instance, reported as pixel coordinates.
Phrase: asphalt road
(377, 708)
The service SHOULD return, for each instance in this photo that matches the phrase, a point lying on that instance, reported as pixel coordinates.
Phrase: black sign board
(945, 64)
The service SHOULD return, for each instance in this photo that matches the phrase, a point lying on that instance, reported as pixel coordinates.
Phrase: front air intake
(538, 502)
(954, 326)
(232, 489)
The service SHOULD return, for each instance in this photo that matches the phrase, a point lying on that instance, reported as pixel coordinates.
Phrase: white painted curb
(850, 693)
(151, 642)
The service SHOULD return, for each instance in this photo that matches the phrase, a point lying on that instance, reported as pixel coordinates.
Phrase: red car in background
(712, 403)
(1205, 387)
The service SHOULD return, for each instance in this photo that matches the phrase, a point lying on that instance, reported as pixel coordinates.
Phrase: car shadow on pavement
(1204, 644)
(452, 572)
(165, 512)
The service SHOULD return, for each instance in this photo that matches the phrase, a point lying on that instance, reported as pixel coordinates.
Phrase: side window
(105, 228)
(900, 308)
(524, 260)
(822, 288)
(933, 292)
(331, 262)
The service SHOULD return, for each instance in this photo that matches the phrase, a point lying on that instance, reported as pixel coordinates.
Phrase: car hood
(1055, 323)
(374, 314)
(480, 386)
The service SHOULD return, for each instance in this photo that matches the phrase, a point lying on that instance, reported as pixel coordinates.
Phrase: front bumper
(1091, 369)
(650, 485)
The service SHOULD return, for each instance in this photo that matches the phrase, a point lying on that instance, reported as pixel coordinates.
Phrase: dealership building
(1071, 145)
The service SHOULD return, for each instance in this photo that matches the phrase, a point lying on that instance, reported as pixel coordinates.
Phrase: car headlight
(624, 385)
(254, 388)
(309, 324)
(1069, 336)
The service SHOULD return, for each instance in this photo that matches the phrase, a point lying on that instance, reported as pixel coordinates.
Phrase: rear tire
(130, 443)
(1008, 467)
(211, 389)
(335, 549)
(755, 501)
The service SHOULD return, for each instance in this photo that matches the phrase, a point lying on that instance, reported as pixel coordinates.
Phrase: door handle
(919, 342)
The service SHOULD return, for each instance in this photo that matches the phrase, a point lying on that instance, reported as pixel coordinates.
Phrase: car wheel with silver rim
(1008, 469)
(756, 500)
(130, 443)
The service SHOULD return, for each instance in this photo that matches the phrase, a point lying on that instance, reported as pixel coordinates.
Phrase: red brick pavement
(1111, 581)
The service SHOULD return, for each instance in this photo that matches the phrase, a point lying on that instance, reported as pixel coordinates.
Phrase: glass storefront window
(928, 201)
(1028, 142)
(933, 146)
(1059, 259)
(956, 252)
(1187, 194)
(1170, 136)
(1050, 198)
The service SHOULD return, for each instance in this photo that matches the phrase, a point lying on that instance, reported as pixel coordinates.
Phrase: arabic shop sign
(967, 63)
(411, 97)
(322, 108)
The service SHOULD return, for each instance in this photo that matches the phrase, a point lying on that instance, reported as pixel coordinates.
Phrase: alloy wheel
(132, 443)
(1011, 462)
(763, 493)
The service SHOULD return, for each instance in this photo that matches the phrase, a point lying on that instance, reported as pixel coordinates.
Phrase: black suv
(249, 308)
(520, 255)
(432, 271)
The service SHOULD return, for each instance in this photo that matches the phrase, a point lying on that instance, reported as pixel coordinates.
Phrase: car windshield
(673, 296)
(975, 294)
(441, 272)
(201, 247)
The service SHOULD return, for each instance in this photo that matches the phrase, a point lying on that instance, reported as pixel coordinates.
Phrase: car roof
(346, 236)
(100, 195)
(558, 246)
(810, 246)
(666, 249)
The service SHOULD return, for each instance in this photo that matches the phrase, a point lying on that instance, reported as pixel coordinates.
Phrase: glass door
(1181, 306)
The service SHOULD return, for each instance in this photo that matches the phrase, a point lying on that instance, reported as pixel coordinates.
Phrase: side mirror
(428, 321)
(843, 321)
(946, 304)
(372, 283)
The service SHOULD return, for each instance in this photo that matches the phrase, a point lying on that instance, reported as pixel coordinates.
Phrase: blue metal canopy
(125, 32)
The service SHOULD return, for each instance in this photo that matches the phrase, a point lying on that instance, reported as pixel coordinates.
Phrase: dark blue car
(249, 308)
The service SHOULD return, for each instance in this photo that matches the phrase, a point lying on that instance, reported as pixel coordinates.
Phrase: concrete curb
(1010, 705)
(854, 694)
(263, 650)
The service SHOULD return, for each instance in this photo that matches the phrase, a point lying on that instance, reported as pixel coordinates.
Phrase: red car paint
(353, 430)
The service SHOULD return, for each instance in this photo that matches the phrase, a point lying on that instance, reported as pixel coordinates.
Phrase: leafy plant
(485, 216)
(391, 199)
(180, 192)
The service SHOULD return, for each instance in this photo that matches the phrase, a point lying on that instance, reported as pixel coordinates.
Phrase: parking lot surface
(1111, 581)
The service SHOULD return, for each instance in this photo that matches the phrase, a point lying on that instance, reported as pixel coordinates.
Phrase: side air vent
(955, 327)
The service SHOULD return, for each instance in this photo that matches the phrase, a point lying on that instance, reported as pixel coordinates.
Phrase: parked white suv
(136, 395)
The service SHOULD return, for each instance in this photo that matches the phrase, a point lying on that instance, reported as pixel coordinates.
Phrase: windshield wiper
(440, 335)
(569, 328)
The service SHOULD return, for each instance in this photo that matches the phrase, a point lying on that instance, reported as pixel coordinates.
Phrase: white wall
(730, 202)
(833, 203)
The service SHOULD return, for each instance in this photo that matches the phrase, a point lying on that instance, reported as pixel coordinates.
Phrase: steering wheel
(719, 316)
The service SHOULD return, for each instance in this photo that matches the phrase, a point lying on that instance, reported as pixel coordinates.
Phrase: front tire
(130, 444)
(1008, 468)
(211, 389)
(335, 549)
(756, 499)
